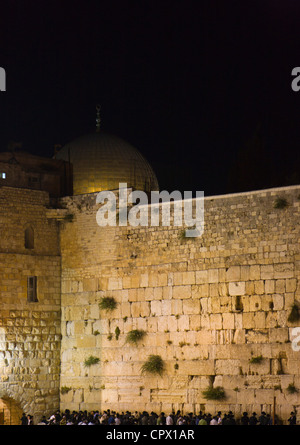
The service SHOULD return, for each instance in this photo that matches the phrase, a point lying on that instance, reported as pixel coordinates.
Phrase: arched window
(29, 238)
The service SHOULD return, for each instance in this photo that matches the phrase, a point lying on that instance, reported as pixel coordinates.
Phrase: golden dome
(101, 161)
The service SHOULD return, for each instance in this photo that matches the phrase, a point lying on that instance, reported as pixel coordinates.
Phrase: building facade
(219, 310)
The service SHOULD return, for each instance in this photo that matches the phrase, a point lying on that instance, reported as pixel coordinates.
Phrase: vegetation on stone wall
(135, 336)
(257, 359)
(154, 365)
(91, 360)
(294, 314)
(216, 393)
(280, 203)
(291, 389)
(107, 303)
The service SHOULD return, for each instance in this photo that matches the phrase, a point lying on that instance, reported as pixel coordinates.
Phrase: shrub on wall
(154, 365)
(211, 393)
(135, 336)
(107, 303)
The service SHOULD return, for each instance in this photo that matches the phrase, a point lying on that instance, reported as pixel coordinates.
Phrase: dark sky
(201, 88)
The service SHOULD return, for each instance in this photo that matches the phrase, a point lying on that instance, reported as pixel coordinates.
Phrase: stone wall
(29, 331)
(208, 305)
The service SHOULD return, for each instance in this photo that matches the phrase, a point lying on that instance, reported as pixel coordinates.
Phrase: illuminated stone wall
(29, 331)
(209, 306)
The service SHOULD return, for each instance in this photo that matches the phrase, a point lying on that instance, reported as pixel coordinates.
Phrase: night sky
(201, 88)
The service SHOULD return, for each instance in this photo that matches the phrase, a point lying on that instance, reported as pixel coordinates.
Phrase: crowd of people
(108, 417)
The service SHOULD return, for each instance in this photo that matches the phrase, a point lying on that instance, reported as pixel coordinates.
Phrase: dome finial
(98, 119)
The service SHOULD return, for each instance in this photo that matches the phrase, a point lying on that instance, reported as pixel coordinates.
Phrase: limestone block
(182, 292)
(237, 288)
(233, 273)
(136, 309)
(259, 287)
(183, 323)
(145, 308)
(278, 301)
(134, 282)
(144, 280)
(280, 286)
(267, 272)
(291, 285)
(167, 292)
(239, 336)
(132, 294)
(257, 336)
(215, 321)
(223, 289)
(214, 290)
(228, 320)
(284, 270)
(176, 307)
(201, 276)
(114, 283)
(197, 367)
(125, 309)
(126, 283)
(213, 276)
(279, 335)
(254, 303)
(260, 320)
(90, 284)
(227, 367)
(269, 286)
(191, 306)
(172, 323)
(162, 326)
(156, 307)
(254, 272)
(188, 277)
(158, 293)
(248, 320)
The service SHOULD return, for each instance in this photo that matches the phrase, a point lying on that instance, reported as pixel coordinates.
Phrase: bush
(280, 203)
(294, 314)
(257, 359)
(135, 336)
(108, 303)
(211, 393)
(154, 365)
(91, 361)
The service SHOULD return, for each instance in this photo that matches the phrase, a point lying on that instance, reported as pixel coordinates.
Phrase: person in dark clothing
(253, 419)
(292, 419)
(24, 419)
(262, 418)
(245, 419)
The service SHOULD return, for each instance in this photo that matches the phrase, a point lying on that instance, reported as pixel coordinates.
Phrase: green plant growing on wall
(135, 336)
(65, 389)
(216, 393)
(91, 360)
(154, 365)
(280, 203)
(294, 314)
(69, 217)
(291, 389)
(117, 332)
(107, 303)
(257, 359)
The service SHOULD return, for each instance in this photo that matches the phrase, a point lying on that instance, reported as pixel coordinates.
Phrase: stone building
(218, 310)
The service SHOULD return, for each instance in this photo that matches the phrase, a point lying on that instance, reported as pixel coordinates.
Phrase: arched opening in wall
(29, 238)
(10, 412)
